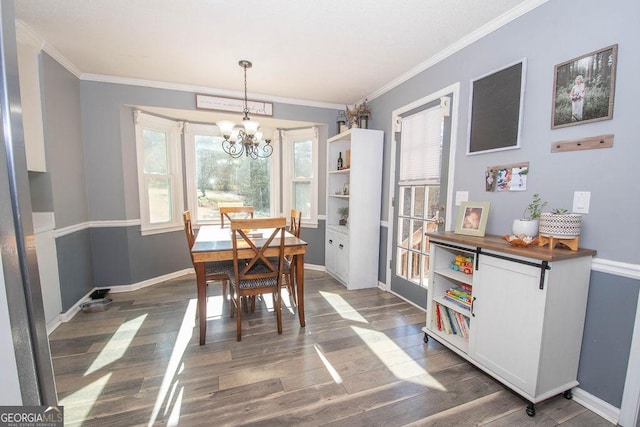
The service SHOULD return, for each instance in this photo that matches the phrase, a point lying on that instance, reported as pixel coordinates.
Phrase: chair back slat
(296, 217)
(188, 229)
(228, 211)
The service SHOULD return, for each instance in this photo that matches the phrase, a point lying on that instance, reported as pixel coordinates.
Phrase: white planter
(560, 225)
(526, 227)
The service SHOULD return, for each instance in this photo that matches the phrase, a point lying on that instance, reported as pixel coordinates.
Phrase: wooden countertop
(497, 243)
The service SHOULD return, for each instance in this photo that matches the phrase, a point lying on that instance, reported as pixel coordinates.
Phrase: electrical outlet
(581, 201)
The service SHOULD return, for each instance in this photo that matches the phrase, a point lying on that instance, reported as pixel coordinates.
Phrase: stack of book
(450, 321)
(460, 295)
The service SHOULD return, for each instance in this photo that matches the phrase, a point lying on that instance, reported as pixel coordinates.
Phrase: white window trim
(174, 130)
(288, 138)
(193, 129)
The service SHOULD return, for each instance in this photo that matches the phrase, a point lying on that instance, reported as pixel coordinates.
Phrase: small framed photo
(583, 88)
(472, 218)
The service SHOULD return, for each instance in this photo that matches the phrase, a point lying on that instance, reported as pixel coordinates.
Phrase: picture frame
(472, 218)
(235, 105)
(584, 88)
(495, 109)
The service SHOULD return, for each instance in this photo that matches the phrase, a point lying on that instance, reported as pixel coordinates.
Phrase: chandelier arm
(233, 150)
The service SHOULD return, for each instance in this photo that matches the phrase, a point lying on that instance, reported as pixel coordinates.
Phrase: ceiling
(323, 52)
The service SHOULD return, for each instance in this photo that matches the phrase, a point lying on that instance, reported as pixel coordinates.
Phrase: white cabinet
(337, 251)
(526, 314)
(351, 250)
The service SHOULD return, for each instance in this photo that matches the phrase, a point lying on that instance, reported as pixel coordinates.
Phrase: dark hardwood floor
(360, 361)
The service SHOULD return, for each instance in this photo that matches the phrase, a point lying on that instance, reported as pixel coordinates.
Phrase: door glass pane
(159, 199)
(224, 181)
(415, 266)
(405, 207)
(403, 233)
(155, 152)
(403, 263)
(416, 235)
(418, 207)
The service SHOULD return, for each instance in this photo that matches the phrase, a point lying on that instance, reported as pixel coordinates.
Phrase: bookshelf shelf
(517, 303)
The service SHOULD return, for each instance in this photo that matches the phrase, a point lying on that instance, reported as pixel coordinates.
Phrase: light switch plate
(461, 196)
(581, 201)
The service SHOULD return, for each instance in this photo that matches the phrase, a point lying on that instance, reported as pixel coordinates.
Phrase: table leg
(202, 300)
(300, 287)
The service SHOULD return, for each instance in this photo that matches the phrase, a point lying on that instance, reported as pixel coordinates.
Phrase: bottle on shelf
(340, 162)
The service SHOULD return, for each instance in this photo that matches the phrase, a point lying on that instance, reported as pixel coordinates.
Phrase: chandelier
(248, 139)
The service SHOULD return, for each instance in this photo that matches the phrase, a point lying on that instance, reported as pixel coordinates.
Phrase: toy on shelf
(462, 263)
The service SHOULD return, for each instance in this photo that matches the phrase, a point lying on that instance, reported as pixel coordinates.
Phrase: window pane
(155, 152)
(159, 199)
(221, 179)
(302, 159)
(302, 198)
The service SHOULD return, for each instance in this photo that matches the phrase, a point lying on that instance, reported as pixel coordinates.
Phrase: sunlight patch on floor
(342, 307)
(117, 345)
(78, 405)
(215, 305)
(174, 418)
(332, 371)
(175, 364)
(396, 359)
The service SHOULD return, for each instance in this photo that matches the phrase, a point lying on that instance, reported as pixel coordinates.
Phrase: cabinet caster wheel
(531, 410)
(568, 394)
(426, 337)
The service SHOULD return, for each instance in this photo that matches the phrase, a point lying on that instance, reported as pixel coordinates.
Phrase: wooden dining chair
(230, 212)
(289, 264)
(214, 271)
(253, 272)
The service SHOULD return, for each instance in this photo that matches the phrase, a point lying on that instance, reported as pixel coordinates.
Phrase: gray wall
(546, 37)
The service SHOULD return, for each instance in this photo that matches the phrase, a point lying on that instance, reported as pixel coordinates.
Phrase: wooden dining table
(214, 244)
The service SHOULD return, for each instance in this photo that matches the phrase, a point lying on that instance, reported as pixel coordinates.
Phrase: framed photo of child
(472, 218)
(583, 88)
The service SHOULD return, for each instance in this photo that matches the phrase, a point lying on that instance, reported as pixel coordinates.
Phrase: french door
(420, 201)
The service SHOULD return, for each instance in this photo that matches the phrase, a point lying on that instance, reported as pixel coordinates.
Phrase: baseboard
(149, 282)
(69, 314)
(314, 267)
(594, 404)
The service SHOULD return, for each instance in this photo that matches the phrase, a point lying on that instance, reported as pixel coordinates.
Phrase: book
(446, 322)
(463, 325)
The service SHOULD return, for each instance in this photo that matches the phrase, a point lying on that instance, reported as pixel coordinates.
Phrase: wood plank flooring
(360, 361)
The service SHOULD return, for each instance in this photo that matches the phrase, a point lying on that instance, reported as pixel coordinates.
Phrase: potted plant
(528, 224)
(344, 215)
(560, 223)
